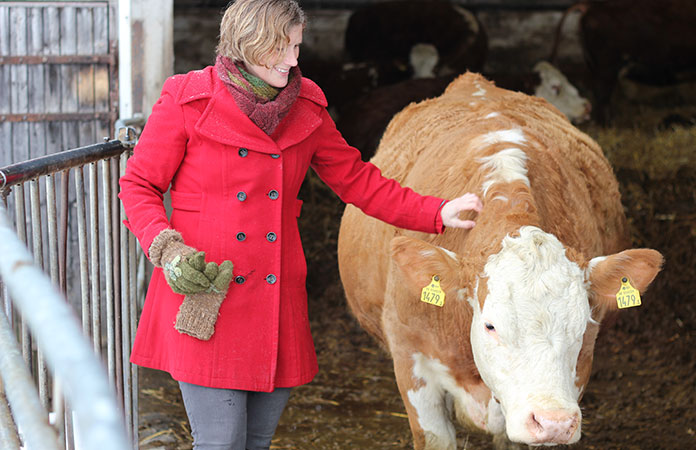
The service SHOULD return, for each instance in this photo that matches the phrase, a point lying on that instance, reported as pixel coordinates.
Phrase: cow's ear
(419, 261)
(639, 266)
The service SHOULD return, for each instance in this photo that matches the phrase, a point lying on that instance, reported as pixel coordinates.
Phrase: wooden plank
(19, 148)
(51, 31)
(5, 72)
(37, 139)
(85, 31)
(101, 88)
(52, 80)
(5, 144)
(35, 40)
(36, 94)
(54, 137)
(4, 30)
(52, 41)
(85, 46)
(101, 71)
(18, 46)
(68, 72)
(5, 87)
(71, 134)
(85, 85)
(101, 29)
(102, 130)
(87, 133)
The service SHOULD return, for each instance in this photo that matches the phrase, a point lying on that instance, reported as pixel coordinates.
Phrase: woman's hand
(450, 212)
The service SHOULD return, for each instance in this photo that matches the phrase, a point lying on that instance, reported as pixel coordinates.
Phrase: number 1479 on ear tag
(628, 296)
(433, 293)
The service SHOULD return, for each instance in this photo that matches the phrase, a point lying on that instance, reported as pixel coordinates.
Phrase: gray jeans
(228, 419)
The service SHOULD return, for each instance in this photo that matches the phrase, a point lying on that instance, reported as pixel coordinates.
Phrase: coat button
(241, 236)
(273, 194)
(271, 237)
(239, 279)
(241, 196)
(243, 152)
(271, 279)
(275, 156)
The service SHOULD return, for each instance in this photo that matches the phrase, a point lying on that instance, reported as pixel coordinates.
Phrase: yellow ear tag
(628, 296)
(433, 293)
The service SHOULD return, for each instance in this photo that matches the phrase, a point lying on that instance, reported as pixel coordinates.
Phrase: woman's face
(277, 73)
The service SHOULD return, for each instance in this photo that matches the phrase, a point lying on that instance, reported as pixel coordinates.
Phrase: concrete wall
(517, 37)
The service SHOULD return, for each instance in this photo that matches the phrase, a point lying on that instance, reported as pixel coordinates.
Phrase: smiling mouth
(282, 70)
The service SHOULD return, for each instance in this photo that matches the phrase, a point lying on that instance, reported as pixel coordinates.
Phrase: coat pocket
(186, 201)
(186, 216)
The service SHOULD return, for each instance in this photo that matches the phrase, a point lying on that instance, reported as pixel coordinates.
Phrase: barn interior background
(643, 386)
(644, 378)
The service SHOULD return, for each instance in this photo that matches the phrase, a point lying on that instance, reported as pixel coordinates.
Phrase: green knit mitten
(183, 266)
(199, 312)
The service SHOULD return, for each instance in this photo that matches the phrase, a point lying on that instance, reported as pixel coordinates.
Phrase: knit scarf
(264, 104)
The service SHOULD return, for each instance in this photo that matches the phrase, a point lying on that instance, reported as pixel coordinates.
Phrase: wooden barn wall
(57, 77)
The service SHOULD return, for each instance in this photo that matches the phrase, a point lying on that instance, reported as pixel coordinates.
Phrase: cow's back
(436, 146)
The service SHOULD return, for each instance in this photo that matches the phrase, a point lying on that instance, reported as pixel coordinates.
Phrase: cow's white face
(527, 336)
(558, 91)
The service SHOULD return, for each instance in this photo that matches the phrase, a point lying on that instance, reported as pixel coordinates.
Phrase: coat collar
(222, 120)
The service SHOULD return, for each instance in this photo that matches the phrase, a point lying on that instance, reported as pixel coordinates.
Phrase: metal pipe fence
(73, 229)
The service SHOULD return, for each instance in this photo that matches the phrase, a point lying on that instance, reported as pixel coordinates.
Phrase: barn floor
(643, 387)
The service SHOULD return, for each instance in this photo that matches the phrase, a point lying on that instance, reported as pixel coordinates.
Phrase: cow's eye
(489, 326)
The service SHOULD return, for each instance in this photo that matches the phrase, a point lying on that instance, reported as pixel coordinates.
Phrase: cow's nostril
(552, 426)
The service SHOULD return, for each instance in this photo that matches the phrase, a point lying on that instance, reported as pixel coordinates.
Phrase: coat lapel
(224, 122)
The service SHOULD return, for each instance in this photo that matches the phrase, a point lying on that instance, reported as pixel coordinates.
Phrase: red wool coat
(234, 195)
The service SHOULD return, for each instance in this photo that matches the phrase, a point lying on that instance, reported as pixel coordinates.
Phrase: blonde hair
(251, 30)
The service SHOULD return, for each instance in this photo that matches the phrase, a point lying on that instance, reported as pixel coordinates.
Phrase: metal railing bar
(118, 311)
(58, 410)
(108, 269)
(63, 231)
(27, 410)
(54, 266)
(133, 319)
(127, 302)
(44, 165)
(67, 351)
(95, 303)
(7, 304)
(37, 245)
(52, 220)
(21, 224)
(82, 248)
(8, 430)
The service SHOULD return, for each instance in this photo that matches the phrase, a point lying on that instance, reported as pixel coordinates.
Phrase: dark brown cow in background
(384, 34)
(362, 121)
(653, 41)
(495, 327)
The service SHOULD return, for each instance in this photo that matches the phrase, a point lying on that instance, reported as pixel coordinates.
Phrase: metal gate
(107, 259)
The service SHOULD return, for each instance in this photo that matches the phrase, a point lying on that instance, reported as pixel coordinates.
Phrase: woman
(234, 142)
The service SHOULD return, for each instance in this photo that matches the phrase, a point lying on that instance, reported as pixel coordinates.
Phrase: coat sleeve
(361, 183)
(150, 170)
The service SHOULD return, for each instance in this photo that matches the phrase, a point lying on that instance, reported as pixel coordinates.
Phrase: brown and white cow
(526, 289)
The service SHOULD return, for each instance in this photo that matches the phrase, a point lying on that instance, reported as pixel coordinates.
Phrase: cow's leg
(428, 411)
